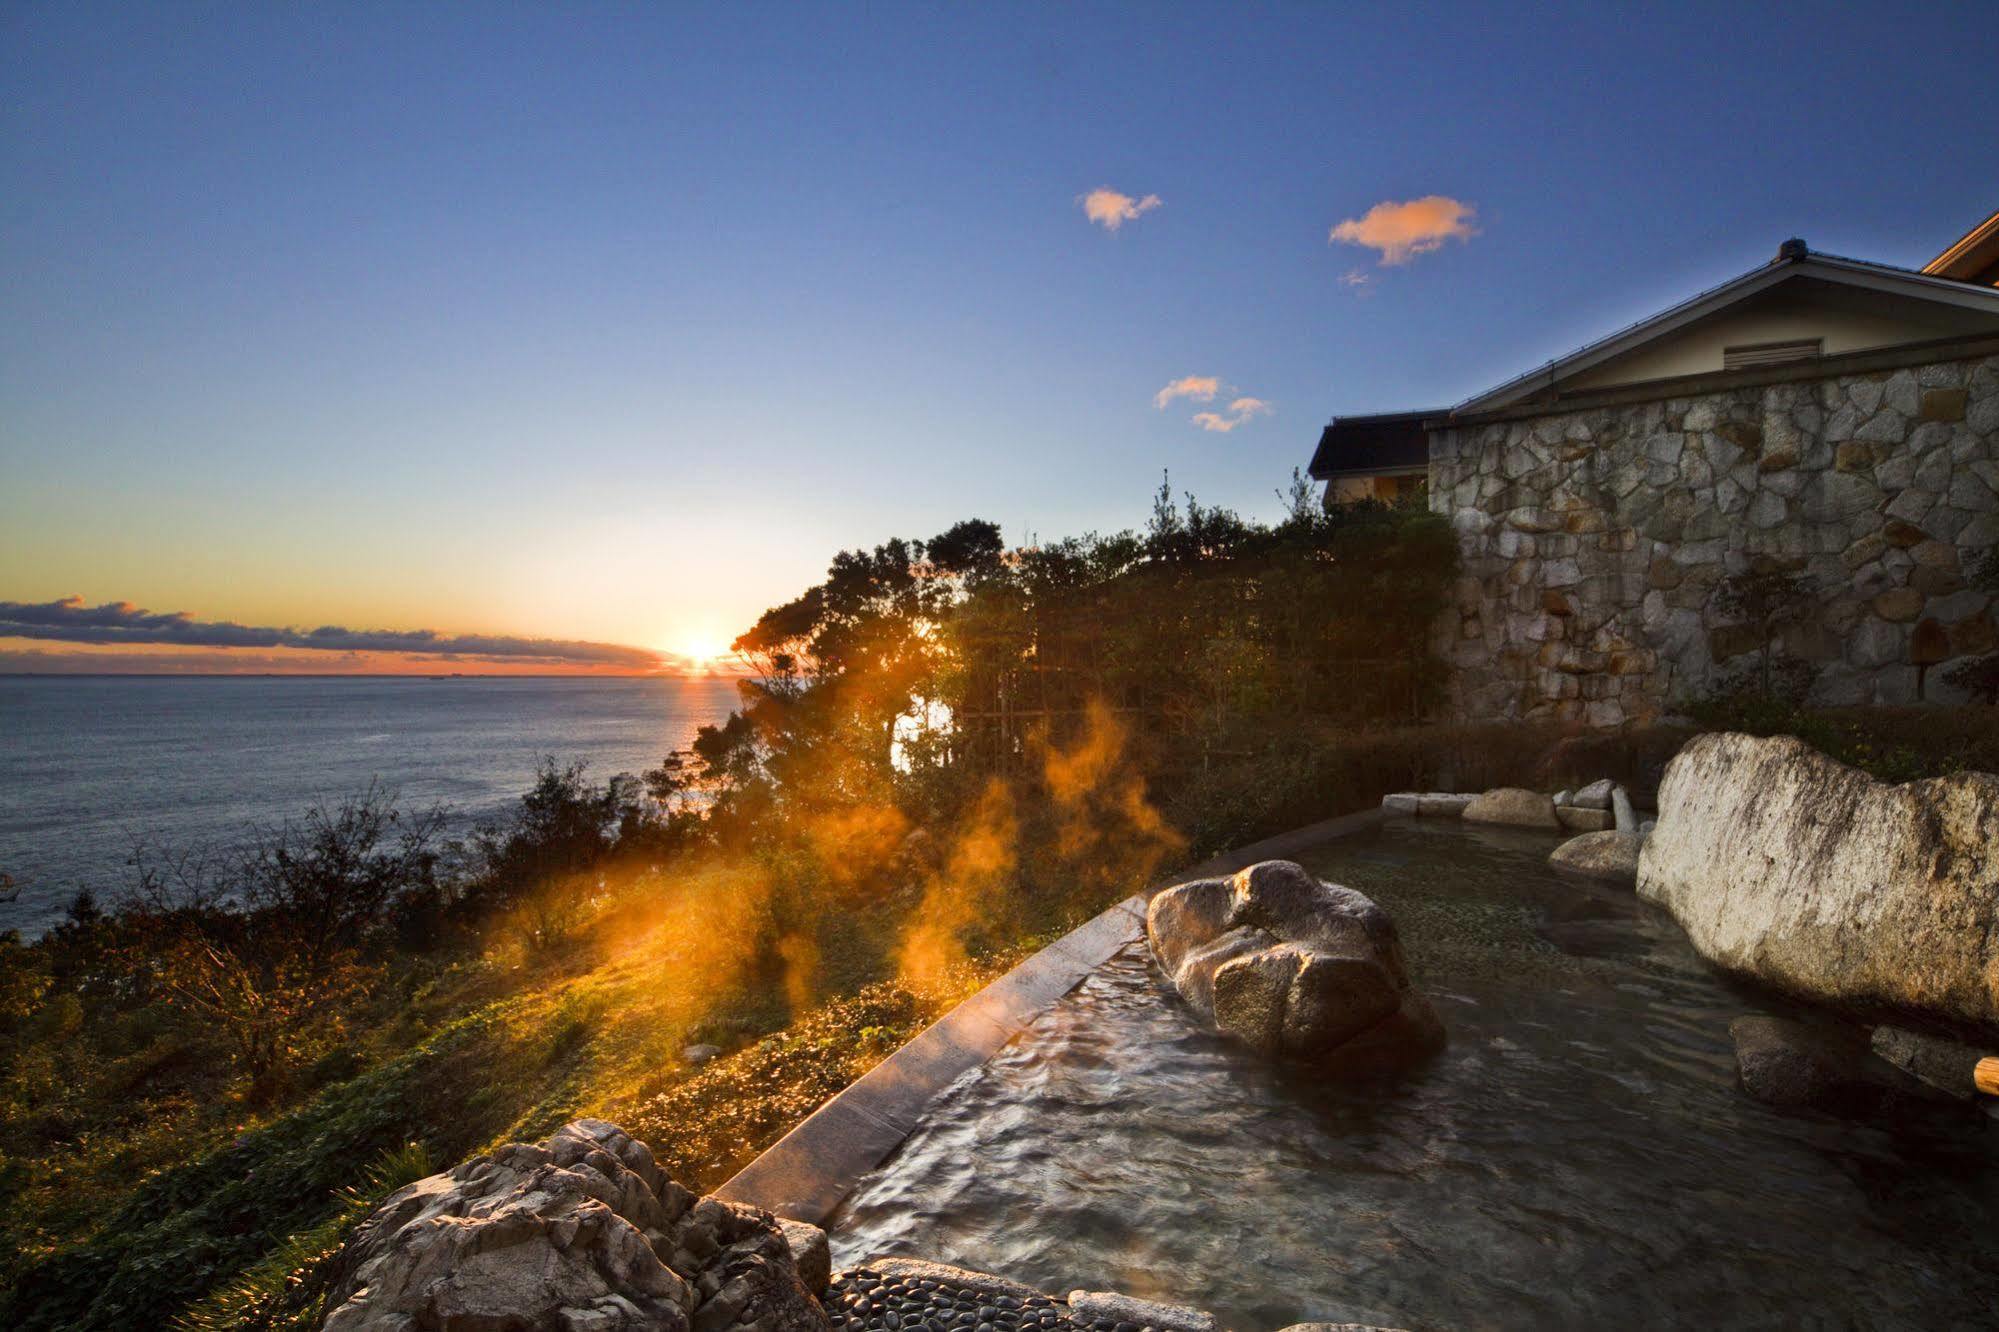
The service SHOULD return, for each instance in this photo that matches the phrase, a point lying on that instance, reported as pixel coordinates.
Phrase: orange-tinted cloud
(1401, 231)
(122, 626)
(1201, 388)
(1107, 206)
(1240, 412)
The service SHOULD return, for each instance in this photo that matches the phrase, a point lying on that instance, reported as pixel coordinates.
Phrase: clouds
(1399, 232)
(121, 623)
(1201, 388)
(1240, 412)
(1205, 388)
(1112, 210)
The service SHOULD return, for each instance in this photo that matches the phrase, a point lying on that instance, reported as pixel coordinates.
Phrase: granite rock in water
(1514, 807)
(1799, 1066)
(1293, 966)
(1092, 1306)
(1577, 819)
(1601, 855)
(1935, 1061)
(1594, 796)
(1786, 866)
(581, 1231)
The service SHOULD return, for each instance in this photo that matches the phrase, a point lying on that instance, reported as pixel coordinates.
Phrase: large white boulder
(1786, 866)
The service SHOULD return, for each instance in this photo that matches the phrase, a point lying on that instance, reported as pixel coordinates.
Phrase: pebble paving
(865, 1300)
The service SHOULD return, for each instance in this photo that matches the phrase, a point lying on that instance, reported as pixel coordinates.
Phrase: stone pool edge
(809, 1172)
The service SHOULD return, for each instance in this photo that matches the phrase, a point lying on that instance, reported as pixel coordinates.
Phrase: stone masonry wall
(1594, 539)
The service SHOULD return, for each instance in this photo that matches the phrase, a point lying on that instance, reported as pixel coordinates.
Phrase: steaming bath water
(1578, 1157)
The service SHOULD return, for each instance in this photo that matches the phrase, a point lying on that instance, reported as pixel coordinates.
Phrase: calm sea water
(89, 765)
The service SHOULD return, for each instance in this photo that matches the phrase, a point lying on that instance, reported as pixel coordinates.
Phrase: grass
(1901, 744)
(229, 1218)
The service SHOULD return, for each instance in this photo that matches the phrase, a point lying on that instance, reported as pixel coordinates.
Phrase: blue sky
(614, 322)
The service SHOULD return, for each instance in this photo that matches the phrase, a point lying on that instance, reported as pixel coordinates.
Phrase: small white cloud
(1113, 209)
(1201, 388)
(1356, 278)
(1401, 231)
(1240, 412)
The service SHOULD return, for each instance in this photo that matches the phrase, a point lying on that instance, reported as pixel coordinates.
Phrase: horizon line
(371, 675)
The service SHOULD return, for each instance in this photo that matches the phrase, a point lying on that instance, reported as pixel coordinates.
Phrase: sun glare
(702, 653)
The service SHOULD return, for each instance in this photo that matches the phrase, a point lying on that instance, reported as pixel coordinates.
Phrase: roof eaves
(1858, 272)
(1973, 242)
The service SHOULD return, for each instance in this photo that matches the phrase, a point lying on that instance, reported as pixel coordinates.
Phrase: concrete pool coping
(811, 1170)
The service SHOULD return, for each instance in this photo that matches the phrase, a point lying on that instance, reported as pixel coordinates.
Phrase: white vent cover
(1771, 353)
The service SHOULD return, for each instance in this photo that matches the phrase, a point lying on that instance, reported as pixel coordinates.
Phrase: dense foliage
(921, 671)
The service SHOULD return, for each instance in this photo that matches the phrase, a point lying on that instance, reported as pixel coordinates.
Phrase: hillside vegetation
(948, 752)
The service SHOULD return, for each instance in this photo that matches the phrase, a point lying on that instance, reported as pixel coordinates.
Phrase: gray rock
(699, 1054)
(1601, 855)
(1594, 796)
(1513, 807)
(959, 1278)
(583, 1230)
(1402, 802)
(1786, 866)
(1936, 1061)
(1795, 1066)
(1091, 1306)
(1444, 804)
(1576, 819)
(810, 1250)
(1340, 1327)
(1625, 819)
(1292, 967)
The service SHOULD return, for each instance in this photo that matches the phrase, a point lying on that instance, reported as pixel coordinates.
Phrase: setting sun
(702, 650)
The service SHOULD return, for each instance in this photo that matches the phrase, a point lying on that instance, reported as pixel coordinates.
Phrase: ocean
(90, 765)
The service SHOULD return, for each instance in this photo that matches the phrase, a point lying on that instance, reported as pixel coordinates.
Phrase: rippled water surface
(1578, 1157)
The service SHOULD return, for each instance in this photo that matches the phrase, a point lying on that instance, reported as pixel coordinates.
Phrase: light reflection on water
(1578, 1157)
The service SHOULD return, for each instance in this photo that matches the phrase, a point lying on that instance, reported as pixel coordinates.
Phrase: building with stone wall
(1818, 416)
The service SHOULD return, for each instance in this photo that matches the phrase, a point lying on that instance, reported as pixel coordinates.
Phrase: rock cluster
(1610, 834)
(1786, 866)
(1293, 966)
(1429, 804)
(1593, 541)
(581, 1232)
(1598, 807)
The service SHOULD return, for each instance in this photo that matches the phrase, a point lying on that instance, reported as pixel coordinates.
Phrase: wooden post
(1985, 1075)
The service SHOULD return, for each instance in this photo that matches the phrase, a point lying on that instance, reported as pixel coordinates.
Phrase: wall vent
(1771, 353)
